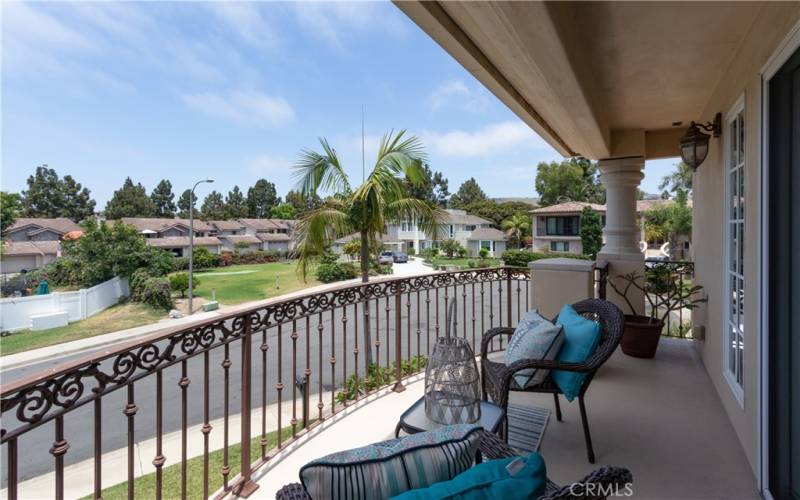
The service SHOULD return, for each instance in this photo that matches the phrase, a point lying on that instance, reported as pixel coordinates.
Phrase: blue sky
(235, 90)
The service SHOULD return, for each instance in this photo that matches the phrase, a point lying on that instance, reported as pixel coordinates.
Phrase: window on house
(734, 249)
(470, 227)
(452, 230)
(563, 226)
(559, 246)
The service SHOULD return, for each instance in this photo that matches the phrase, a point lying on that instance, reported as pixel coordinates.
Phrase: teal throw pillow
(516, 477)
(534, 338)
(581, 337)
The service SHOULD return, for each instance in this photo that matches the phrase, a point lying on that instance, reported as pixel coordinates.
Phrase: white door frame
(784, 50)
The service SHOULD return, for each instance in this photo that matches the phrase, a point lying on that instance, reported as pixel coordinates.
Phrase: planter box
(50, 320)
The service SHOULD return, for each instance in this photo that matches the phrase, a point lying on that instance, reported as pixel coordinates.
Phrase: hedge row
(521, 258)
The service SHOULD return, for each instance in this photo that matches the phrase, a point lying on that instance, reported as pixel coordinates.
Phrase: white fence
(15, 312)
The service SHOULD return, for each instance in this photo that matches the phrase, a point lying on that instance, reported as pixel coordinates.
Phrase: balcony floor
(660, 418)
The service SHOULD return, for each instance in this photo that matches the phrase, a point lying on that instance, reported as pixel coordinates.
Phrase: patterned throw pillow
(388, 468)
(534, 338)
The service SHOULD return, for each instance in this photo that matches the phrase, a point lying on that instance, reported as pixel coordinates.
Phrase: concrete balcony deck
(660, 418)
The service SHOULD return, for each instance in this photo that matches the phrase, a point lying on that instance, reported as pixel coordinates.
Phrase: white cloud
(333, 21)
(456, 91)
(25, 23)
(496, 138)
(247, 21)
(247, 107)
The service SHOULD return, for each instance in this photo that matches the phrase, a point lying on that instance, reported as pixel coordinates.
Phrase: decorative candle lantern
(452, 379)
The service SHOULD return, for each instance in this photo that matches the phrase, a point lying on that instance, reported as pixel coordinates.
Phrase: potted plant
(664, 292)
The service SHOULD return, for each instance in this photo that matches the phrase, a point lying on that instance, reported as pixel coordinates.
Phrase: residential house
(173, 234)
(557, 228)
(30, 243)
(274, 234)
(471, 231)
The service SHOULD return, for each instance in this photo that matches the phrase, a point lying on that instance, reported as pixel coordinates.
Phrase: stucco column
(621, 177)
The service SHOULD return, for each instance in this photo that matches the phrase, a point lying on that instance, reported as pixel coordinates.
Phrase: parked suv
(386, 258)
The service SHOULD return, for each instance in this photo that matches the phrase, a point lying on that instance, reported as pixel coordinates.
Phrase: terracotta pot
(640, 337)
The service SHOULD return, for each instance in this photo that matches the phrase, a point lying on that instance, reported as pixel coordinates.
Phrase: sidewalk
(22, 359)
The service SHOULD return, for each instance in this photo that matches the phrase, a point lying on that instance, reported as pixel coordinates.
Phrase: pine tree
(163, 198)
(303, 204)
(261, 198)
(50, 196)
(129, 201)
(235, 204)
(213, 206)
(184, 203)
(469, 193)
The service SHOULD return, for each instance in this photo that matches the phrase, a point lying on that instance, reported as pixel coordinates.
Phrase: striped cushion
(389, 468)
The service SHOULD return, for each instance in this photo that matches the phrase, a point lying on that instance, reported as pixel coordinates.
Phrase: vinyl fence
(15, 312)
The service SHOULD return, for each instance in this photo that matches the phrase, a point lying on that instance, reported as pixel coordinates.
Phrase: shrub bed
(521, 258)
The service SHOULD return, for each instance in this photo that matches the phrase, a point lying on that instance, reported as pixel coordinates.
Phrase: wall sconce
(694, 144)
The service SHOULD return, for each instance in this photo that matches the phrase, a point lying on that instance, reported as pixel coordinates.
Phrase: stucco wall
(742, 77)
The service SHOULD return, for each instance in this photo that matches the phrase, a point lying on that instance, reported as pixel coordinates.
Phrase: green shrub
(180, 263)
(411, 252)
(203, 258)
(179, 282)
(472, 264)
(328, 257)
(483, 252)
(462, 252)
(428, 254)
(328, 273)
(521, 258)
(351, 270)
(450, 248)
(136, 283)
(157, 293)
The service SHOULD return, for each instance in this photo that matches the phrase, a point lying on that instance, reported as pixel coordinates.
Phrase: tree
(352, 248)
(235, 204)
(450, 248)
(50, 196)
(162, 199)
(213, 207)
(433, 189)
(498, 212)
(184, 202)
(283, 211)
(303, 204)
(468, 193)
(366, 209)
(107, 250)
(179, 282)
(261, 198)
(10, 206)
(681, 178)
(576, 179)
(129, 201)
(591, 232)
(669, 221)
(516, 227)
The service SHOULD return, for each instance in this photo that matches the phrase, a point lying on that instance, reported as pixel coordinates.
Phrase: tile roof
(162, 224)
(226, 225)
(487, 233)
(461, 217)
(262, 224)
(273, 237)
(31, 248)
(568, 207)
(60, 225)
(183, 241)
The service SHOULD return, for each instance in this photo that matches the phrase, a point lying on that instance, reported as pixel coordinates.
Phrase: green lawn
(144, 486)
(119, 317)
(463, 262)
(237, 284)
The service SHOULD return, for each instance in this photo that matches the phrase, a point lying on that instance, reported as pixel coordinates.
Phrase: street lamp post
(191, 238)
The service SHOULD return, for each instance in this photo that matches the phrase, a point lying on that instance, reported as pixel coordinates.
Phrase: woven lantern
(452, 379)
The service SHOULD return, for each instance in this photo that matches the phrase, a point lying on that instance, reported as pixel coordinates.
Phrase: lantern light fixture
(694, 144)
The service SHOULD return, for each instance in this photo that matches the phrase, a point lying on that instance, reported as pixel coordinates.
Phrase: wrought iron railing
(677, 323)
(290, 353)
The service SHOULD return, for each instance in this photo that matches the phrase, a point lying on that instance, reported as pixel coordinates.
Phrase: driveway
(414, 267)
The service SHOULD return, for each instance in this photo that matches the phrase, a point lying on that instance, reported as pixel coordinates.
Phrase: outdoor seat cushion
(506, 478)
(534, 338)
(581, 337)
(388, 468)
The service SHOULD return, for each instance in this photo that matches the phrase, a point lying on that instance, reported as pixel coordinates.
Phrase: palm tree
(366, 210)
(515, 227)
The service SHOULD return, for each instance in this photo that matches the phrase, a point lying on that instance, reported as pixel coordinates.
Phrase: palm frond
(429, 217)
(316, 171)
(316, 231)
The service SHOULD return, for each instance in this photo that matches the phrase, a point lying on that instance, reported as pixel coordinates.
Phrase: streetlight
(191, 237)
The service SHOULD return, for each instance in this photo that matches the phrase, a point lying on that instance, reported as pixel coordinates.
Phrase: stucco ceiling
(581, 72)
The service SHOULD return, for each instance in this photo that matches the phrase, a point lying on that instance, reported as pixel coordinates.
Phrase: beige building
(471, 231)
(30, 243)
(621, 82)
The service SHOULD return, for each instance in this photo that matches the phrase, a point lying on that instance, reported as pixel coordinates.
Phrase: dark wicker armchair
(497, 379)
(603, 481)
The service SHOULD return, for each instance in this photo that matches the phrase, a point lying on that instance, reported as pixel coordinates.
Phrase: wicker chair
(595, 486)
(497, 379)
